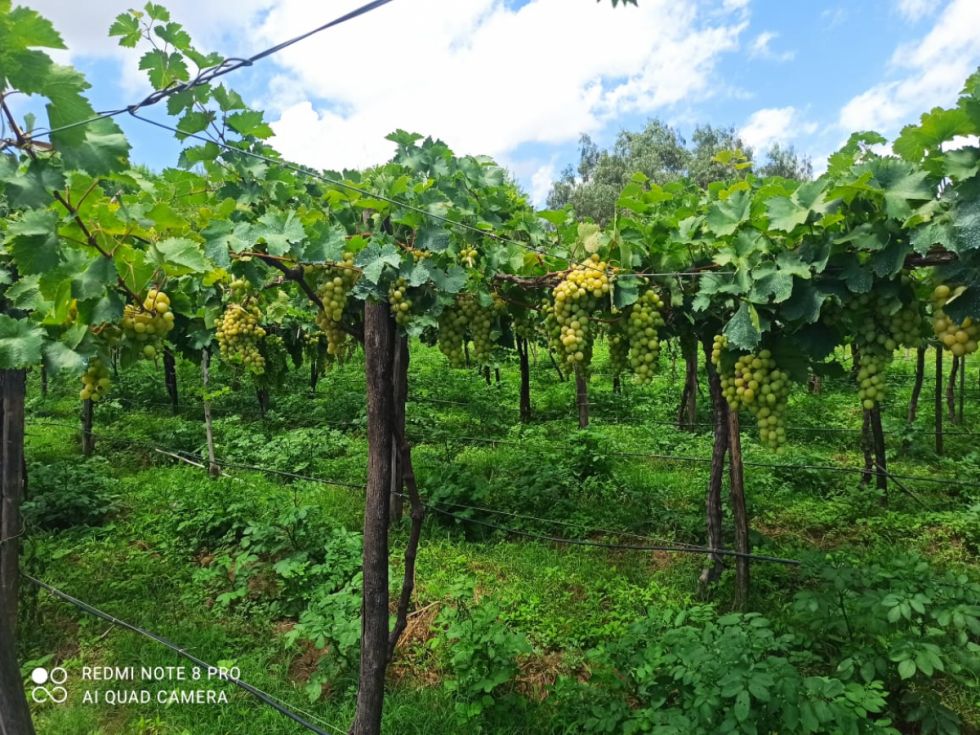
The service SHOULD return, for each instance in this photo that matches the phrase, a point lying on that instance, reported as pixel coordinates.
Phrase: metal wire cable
(262, 696)
(209, 74)
(672, 547)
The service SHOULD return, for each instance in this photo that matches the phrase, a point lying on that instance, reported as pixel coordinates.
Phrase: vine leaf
(33, 242)
(743, 329)
(182, 252)
(20, 343)
(724, 217)
(60, 357)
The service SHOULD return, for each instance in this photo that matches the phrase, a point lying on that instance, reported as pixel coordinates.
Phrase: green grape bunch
(576, 298)
(871, 378)
(959, 338)
(758, 385)
(145, 326)
(880, 325)
(645, 318)
(334, 292)
(468, 256)
(452, 335)
(479, 320)
(95, 381)
(239, 333)
(401, 304)
(619, 347)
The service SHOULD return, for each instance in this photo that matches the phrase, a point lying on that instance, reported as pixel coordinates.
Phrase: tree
(661, 154)
(784, 161)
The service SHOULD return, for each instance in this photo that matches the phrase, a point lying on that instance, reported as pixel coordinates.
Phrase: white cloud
(541, 183)
(927, 73)
(914, 10)
(761, 48)
(484, 76)
(774, 125)
(84, 26)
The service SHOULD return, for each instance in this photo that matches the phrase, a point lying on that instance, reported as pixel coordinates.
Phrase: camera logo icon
(49, 685)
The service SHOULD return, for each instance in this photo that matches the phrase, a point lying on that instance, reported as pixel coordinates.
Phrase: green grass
(151, 560)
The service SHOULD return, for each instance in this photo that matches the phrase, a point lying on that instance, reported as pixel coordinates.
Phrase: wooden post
(379, 348)
(88, 438)
(213, 469)
(170, 379)
(736, 479)
(713, 512)
(962, 385)
(582, 397)
(15, 716)
(522, 353)
(400, 398)
(920, 370)
(951, 389)
(867, 447)
(262, 396)
(939, 399)
(881, 462)
(687, 412)
(11, 494)
(554, 364)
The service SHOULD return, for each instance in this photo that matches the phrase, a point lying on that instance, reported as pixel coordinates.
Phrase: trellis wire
(262, 696)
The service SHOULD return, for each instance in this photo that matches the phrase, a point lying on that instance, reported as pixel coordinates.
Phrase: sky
(521, 80)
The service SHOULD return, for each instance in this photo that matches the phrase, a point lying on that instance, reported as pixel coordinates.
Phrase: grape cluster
(334, 292)
(718, 345)
(759, 386)
(871, 378)
(960, 339)
(641, 328)
(95, 381)
(576, 297)
(452, 334)
(239, 333)
(880, 324)
(400, 303)
(619, 347)
(145, 326)
(468, 256)
(480, 321)
(467, 315)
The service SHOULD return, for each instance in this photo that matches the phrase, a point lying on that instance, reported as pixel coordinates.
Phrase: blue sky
(521, 80)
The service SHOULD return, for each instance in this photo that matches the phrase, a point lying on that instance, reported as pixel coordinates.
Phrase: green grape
(644, 343)
(334, 292)
(239, 334)
(95, 381)
(757, 385)
(576, 297)
(479, 320)
(144, 327)
(400, 303)
(959, 338)
(619, 347)
(452, 334)
(880, 323)
(871, 378)
(468, 256)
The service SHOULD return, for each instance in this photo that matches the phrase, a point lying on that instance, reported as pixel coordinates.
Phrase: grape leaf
(182, 252)
(724, 217)
(59, 357)
(33, 242)
(20, 343)
(742, 329)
